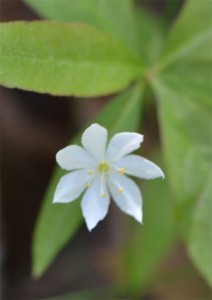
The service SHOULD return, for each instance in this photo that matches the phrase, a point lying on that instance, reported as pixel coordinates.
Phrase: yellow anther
(121, 171)
(104, 195)
(88, 185)
(90, 172)
(121, 190)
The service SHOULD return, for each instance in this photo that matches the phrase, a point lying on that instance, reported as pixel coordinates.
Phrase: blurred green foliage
(145, 251)
(176, 65)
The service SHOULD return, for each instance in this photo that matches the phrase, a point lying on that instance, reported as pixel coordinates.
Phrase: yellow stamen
(121, 171)
(104, 195)
(121, 190)
(90, 172)
(88, 185)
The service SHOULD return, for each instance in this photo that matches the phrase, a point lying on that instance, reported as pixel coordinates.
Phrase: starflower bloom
(100, 171)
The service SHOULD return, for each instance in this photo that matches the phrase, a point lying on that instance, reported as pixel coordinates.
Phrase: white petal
(139, 167)
(71, 186)
(94, 140)
(126, 194)
(74, 157)
(122, 144)
(94, 206)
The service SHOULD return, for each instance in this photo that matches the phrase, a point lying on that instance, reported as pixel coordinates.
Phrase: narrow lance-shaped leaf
(152, 32)
(182, 83)
(113, 17)
(149, 246)
(200, 241)
(187, 60)
(63, 59)
(58, 223)
(186, 135)
(190, 34)
(186, 141)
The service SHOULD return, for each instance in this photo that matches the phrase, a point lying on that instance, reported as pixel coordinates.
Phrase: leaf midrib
(181, 51)
(71, 62)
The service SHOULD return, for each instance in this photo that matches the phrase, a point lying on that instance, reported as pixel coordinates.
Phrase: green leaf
(186, 62)
(200, 243)
(115, 18)
(152, 34)
(58, 223)
(194, 78)
(184, 90)
(186, 139)
(148, 245)
(183, 86)
(62, 59)
(191, 35)
(186, 135)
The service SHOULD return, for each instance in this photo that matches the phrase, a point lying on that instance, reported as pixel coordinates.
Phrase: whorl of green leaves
(116, 47)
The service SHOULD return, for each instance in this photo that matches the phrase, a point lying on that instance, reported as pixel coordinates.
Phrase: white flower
(100, 170)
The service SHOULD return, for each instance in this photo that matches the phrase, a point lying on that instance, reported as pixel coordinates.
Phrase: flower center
(103, 167)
